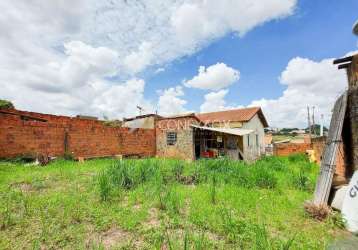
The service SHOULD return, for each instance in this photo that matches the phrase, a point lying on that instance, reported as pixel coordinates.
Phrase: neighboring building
(237, 134)
(251, 143)
(175, 136)
(298, 131)
(141, 121)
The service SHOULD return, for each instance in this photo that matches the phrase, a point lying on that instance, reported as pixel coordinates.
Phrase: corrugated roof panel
(231, 131)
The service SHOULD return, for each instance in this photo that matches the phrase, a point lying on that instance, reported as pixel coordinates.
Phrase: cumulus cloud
(75, 83)
(195, 22)
(215, 101)
(214, 77)
(309, 83)
(122, 99)
(171, 102)
(138, 60)
(62, 56)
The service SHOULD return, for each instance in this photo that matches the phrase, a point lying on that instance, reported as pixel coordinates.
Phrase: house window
(171, 138)
(248, 140)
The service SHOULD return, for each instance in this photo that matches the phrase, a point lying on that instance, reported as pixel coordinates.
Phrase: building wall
(254, 150)
(83, 138)
(225, 123)
(285, 149)
(318, 146)
(184, 147)
(146, 122)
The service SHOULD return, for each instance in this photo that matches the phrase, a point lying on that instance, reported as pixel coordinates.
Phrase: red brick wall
(86, 138)
(284, 149)
(318, 145)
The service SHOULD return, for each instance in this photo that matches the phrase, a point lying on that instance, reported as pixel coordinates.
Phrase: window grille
(171, 138)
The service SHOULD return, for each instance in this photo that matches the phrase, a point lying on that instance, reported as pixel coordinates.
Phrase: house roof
(140, 117)
(235, 115)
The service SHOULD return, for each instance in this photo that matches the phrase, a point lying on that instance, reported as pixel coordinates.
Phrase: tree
(4, 104)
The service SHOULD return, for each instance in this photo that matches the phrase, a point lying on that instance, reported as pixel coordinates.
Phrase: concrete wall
(254, 150)
(184, 147)
(146, 122)
(83, 138)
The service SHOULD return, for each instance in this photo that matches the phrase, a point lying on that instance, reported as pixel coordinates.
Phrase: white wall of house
(254, 143)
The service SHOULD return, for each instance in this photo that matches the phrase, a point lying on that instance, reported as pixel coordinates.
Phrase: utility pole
(321, 128)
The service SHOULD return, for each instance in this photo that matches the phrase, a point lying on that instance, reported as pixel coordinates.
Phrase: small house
(237, 134)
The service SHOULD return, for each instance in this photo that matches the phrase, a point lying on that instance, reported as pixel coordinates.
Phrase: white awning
(231, 131)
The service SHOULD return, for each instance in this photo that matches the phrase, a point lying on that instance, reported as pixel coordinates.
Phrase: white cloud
(62, 56)
(214, 77)
(122, 99)
(74, 84)
(170, 101)
(138, 60)
(309, 83)
(215, 101)
(195, 22)
(159, 70)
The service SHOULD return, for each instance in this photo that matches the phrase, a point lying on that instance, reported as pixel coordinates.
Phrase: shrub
(177, 170)
(104, 186)
(274, 163)
(4, 104)
(264, 178)
(213, 190)
(169, 200)
(121, 176)
(301, 181)
(297, 158)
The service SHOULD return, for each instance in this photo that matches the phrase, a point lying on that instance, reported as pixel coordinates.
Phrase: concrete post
(352, 72)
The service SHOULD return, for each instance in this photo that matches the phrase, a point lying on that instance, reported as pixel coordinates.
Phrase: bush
(4, 104)
(301, 181)
(266, 173)
(104, 186)
(297, 158)
(264, 178)
(121, 175)
(169, 200)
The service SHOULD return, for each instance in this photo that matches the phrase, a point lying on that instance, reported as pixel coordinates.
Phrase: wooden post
(352, 72)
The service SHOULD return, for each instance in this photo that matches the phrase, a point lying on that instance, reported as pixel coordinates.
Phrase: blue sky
(104, 58)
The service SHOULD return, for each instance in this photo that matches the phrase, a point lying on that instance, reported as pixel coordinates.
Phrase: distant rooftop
(237, 115)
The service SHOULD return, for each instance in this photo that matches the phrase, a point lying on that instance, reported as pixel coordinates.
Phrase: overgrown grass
(154, 204)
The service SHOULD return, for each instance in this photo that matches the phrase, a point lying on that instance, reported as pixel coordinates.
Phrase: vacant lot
(161, 204)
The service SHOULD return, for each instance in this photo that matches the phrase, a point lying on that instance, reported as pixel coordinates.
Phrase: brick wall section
(184, 147)
(317, 144)
(285, 149)
(86, 138)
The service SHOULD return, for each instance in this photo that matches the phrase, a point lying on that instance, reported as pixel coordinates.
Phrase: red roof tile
(237, 115)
